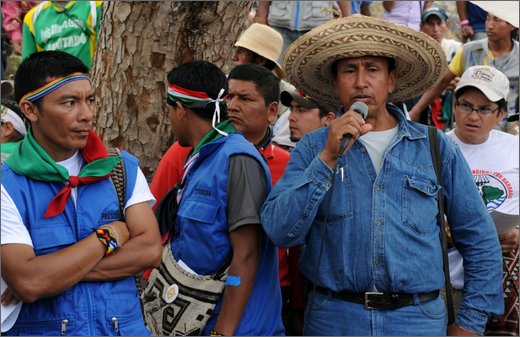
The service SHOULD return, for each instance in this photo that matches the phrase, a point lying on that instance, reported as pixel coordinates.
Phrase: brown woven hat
(420, 60)
(265, 41)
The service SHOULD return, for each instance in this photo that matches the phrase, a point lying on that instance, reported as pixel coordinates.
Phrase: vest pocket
(64, 327)
(124, 316)
(49, 239)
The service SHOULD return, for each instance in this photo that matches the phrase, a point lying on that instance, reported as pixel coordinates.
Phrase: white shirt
(495, 166)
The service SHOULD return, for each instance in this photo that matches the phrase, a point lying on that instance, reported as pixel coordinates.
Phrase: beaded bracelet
(464, 22)
(105, 236)
(215, 333)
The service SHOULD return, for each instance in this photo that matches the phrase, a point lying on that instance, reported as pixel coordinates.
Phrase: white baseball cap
(492, 82)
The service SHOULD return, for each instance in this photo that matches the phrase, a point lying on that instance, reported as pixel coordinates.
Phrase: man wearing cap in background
(306, 114)
(499, 50)
(438, 113)
(368, 214)
(493, 156)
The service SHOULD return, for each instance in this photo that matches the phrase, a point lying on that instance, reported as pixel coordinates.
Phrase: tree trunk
(139, 42)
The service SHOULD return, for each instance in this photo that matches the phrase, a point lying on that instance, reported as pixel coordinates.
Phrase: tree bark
(139, 42)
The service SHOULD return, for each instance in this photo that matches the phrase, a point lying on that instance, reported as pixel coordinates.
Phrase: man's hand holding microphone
(343, 131)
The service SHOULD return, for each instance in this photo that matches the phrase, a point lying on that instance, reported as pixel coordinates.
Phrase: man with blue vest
(66, 252)
(223, 185)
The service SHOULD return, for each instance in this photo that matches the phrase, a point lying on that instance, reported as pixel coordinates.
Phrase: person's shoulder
(281, 152)
(505, 137)
(30, 15)
(129, 158)
(477, 44)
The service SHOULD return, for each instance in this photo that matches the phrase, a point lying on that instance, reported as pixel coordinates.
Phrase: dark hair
(200, 76)
(39, 68)
(267, 84)
(323, 112)
(502, 103)
(391, 65)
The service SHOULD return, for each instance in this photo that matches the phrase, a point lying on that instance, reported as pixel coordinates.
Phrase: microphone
(362, 109)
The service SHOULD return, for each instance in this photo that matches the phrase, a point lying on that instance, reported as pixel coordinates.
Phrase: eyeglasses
(482, 111)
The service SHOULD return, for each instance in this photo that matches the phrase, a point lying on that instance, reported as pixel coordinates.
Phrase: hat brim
(278, 70)
(286, 98)
(435, 13)
(420, 60)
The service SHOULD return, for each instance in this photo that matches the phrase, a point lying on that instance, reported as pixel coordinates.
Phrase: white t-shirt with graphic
(495, 168)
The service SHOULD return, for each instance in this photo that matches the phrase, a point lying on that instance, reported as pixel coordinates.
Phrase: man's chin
(294, 139)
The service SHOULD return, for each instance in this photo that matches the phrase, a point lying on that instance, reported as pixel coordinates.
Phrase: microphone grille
(360, 108)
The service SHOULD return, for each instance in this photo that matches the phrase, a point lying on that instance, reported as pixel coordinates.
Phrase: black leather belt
(378, 300)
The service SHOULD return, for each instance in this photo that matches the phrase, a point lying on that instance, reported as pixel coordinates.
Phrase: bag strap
(118, 178)
(434, 148)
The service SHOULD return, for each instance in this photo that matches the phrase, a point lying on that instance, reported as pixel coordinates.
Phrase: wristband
(464, 22)
(106, 238)
(215, 333)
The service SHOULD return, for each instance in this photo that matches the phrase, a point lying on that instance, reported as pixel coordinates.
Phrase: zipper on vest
(116, 324)
(64, 326)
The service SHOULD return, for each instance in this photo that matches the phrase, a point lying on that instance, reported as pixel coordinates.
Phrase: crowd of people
(350, 176)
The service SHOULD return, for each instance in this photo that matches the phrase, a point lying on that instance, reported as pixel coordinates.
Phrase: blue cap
(437, 11)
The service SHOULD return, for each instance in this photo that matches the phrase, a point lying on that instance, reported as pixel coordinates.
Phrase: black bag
(166, 211)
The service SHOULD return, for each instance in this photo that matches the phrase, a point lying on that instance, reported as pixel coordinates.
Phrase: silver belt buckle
(367, 299)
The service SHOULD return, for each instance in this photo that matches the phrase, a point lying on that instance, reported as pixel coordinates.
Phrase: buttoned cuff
(472, 320)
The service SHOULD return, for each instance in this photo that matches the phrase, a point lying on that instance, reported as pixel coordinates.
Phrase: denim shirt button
(376, 261)
(377, 222)
(378, 187)
(363, 150)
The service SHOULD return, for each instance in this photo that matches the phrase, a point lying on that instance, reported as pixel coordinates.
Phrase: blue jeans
(327, 316)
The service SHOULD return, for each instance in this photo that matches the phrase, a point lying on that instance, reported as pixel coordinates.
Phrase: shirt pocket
(316, 10)
(420, 206)
(280, 12)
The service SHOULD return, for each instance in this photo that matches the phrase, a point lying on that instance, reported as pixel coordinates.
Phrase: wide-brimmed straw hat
(265, 41)
(419, 59)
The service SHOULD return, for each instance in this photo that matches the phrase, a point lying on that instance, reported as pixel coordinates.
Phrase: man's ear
(260, 60)
(182, 110)
(391, 81)
(501, 115)
(8, 130)
(30, 110)
(272, 111)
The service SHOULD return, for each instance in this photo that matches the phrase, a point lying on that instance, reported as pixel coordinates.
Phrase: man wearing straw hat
(368, 214)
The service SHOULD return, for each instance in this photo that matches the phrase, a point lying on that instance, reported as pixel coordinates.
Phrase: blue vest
(202, 234)
(87, 308)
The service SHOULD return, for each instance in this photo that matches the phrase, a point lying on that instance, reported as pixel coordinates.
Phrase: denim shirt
(380, 232)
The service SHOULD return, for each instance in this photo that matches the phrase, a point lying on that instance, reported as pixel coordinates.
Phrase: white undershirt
(376, 143)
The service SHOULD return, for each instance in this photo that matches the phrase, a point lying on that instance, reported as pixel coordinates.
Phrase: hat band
(47, 88)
